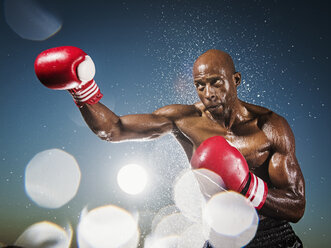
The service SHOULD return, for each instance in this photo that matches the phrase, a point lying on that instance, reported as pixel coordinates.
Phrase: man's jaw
(213, 107)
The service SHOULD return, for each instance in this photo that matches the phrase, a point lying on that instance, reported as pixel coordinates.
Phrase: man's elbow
(104, 135)
(299, 211)
(109, 136)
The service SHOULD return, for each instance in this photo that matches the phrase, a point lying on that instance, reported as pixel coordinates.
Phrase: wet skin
(263, 137)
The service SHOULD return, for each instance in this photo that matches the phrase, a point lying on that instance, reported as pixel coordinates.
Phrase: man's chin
(216, 110)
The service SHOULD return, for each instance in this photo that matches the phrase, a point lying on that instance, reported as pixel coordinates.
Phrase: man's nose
(209, 93)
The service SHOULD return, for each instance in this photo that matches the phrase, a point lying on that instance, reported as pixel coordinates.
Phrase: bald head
(213, 61)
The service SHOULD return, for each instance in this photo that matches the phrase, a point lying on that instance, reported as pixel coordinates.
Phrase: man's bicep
(286, 194)
(284, 171)
(143, 126)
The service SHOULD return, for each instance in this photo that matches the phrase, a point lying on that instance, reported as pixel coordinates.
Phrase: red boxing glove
(68, 68)
(217, 155)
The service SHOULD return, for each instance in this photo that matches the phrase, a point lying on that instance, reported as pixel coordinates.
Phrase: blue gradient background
(144, 51)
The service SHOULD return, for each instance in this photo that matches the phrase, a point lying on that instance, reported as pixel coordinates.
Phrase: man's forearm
(284, 205)
(101, 120)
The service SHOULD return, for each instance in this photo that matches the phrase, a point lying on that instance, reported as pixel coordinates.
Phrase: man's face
(215, 85)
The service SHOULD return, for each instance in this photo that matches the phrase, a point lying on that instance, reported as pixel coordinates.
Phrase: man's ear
(236, 77)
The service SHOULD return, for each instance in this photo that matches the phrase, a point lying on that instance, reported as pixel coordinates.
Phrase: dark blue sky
(144, 51)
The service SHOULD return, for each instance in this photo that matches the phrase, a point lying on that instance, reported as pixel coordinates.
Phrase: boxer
(260, 163)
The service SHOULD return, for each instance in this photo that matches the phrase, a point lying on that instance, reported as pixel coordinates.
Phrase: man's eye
(217, 83)
(199, 87)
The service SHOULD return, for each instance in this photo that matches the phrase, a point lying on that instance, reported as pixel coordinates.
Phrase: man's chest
(248, 138)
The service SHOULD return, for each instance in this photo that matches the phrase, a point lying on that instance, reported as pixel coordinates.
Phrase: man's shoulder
(266, 116)
(274, 126)
(177, 111)
(257, 110)
(280, 134)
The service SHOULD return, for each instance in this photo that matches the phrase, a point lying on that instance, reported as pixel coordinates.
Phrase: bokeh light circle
(164, 242)
(187, 195)
(162, 213)
(174, 224)
(108, 227)
(192, 237)
(52, 178)
(42, 233)
(231, 220)
(210, 183)
(29, 20)
(132, 179)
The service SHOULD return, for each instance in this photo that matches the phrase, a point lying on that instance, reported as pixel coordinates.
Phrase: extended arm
(108, 126)
(70, 68)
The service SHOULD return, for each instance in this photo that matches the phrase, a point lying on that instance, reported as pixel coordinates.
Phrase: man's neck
(231, 115)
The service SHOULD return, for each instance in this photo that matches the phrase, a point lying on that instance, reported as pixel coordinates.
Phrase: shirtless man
(264, 138)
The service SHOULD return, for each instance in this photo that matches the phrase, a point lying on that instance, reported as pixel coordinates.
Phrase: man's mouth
(213, 107)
